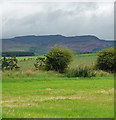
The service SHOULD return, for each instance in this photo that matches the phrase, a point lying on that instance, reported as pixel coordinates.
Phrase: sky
(51, 18)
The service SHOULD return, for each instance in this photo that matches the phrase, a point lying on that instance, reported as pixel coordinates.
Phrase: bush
(9, 63)
(80, 72)
(58, 59)
(105, 60)
(40, 63)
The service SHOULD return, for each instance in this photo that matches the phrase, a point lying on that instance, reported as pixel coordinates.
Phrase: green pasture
(27, 58)
(83, 60)
(46, 94)
(78, 60)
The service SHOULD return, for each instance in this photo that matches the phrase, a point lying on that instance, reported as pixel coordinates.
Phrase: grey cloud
(57, 18)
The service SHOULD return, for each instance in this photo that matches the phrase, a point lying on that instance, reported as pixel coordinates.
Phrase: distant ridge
(41, 44)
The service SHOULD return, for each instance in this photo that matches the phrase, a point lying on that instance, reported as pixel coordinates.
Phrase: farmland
(46, 94)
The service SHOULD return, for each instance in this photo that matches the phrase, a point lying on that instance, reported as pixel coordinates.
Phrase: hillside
(41, 44)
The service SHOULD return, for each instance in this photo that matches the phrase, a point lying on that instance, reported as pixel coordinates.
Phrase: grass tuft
(80, 72)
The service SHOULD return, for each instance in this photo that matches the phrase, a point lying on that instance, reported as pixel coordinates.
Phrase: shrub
(9, 63)
(40, 63)
(58, 59)
(106, 60)
(80, 72)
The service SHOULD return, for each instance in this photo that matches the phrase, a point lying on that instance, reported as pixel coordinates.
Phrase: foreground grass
(39, 94)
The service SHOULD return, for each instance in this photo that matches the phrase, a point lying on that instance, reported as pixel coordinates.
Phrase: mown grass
(47, 94)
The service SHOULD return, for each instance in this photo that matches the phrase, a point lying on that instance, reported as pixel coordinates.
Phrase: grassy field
(79, 60)
(83, 60)
(40, 94)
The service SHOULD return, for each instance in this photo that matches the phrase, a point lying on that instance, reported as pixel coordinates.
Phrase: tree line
(17, 54)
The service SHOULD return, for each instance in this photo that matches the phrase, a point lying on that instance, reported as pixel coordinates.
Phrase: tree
(106, 60)
(58, 59)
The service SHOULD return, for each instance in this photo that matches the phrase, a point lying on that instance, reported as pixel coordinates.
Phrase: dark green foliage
(57, 59)
(40, 63)
(80, 72)
(9, 63)
(86, 52)
(106, 60)
(17, 53)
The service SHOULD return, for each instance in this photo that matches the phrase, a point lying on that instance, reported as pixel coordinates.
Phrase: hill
(41, 44)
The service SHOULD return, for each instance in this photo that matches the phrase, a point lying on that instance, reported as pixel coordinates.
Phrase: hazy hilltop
(41, 44)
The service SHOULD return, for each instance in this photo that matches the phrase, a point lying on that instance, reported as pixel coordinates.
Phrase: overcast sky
(66, 18)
